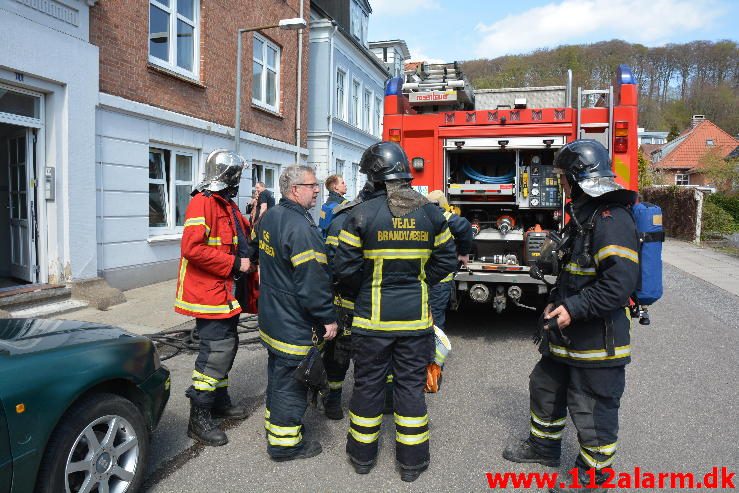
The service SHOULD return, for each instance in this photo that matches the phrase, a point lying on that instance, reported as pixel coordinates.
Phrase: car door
(6, 459)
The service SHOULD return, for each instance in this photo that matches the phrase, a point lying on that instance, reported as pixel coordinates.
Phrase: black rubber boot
(224, 408)
(332, 405)
(362, 467)
(310, 449)
(203, 429)
(522, 451)
(410, 475)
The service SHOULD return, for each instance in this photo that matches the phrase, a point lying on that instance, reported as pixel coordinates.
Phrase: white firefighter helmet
(222, 170)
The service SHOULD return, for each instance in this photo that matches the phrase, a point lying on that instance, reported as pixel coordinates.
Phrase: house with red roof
(679, 161)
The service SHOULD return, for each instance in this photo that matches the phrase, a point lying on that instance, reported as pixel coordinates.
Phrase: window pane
(24, 206)
(258, 54)
(164, 2)
(157, 206)
(156, 165)
(14, 179)
(22, 178)
(269, 178)
(13, 152)
(19, 104)
(22, 150)
(183, 198)
(256, 87)
(185, 45)
(184, 168)
(185, 9)
(271, 88)
(158, 33)
(271, 57)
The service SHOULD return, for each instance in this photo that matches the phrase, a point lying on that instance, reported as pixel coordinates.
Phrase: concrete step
(31, 295)
(47, 309)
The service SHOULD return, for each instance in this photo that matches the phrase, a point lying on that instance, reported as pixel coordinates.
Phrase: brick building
(167, 97)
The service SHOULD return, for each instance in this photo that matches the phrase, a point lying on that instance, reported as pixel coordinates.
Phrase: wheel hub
(102, 465)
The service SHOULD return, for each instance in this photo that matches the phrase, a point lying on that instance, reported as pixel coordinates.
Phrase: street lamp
(287, 24)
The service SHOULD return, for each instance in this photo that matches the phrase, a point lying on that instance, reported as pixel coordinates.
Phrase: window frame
(170, 191)
(342, 105)
(266, 44)
(171, 63)
(356, 100)
(377, 127)
(258, 172)
(367, 97)
(679, 177)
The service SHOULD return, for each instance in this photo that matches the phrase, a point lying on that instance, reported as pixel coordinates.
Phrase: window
(171, 180)
(357, 179)
(174, 34)
(266, 173)
(356, 108)
(378, 117)
(358, 22)
(341, 94)
(682, 179)
(340, 167)
(266, 73)
(709, 142)
(367, 110)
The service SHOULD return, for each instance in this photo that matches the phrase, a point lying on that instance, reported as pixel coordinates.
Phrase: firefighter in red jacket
(214, 233)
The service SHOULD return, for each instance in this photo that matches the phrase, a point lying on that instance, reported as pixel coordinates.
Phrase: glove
(433, 378)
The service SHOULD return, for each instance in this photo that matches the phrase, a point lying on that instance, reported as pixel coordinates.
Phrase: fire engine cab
(491, 152)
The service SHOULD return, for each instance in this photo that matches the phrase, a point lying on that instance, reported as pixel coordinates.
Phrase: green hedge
(729, 203)
(679, 209)
(716, 221)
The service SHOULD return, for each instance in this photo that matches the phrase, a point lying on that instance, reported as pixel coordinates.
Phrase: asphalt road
(679, 412)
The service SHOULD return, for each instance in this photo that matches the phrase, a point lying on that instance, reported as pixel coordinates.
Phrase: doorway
(18, 217)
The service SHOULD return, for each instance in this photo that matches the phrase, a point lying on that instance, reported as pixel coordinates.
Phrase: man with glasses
(295, 308)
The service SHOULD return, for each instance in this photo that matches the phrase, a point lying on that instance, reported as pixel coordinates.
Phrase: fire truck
(491, 152)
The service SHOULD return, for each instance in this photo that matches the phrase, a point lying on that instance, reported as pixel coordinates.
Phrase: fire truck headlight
(417, 163)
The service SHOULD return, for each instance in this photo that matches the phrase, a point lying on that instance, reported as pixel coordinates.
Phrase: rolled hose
(490, 180)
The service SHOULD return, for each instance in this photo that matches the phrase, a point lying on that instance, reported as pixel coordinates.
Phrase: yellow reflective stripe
(201, 381)
(323, 214)
(440, 358)
(202, 386)
(447, 215)
(424, 291)
(335, 385)
(376, 289)
(222, 383)
(575, 269)
(266, 418)
(236, 240)
(284, 431)
(442, 237)
(343, 302)
(364, 437)
(617, 250)
(411, 421)
(389, 378)
(284, 441)
(594, 355)
(542, 422)
(214, 241)
(544, 434)
(392, 324)
(594, 463)
(350, 239)
(181, 282)
(448, 278)
(284, 346)
(332, 240)
(196, 221)
(196, 375)
(366, 422)
(307, 256)
(412, 439)
(397, 253)
(603, 449)
(194, 307)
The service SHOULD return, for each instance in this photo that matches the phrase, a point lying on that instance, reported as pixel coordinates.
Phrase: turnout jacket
(327, 210)
(596, 293)
(295, 293)
(462, 232)
(205, 284)
(387, 263)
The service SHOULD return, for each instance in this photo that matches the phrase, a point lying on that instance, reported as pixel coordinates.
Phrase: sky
(448, 30)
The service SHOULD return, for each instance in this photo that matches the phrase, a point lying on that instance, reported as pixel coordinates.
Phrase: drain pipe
(331, 92)
(298, 104)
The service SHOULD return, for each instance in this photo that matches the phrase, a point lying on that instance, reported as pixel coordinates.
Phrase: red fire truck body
(494, 164)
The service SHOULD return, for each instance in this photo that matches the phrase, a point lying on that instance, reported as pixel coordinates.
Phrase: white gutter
(331, 92)
(298, 105)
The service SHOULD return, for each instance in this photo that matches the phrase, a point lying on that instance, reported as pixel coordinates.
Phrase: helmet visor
(595, 187)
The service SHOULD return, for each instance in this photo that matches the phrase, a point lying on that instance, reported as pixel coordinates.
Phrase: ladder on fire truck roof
(600, 131)
(438, 78)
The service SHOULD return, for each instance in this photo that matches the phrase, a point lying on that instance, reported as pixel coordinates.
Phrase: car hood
(22, 336)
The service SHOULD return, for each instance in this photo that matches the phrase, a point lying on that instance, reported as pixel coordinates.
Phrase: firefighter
(336, 187)
(586, 345)
(213, 231)
(390, 249)
(295, 308)
(461, 229)
(337, 352)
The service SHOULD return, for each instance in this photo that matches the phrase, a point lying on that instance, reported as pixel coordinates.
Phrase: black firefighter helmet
(586, 163)
(385, 161)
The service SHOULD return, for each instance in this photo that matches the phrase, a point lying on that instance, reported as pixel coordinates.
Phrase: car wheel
(101, 444)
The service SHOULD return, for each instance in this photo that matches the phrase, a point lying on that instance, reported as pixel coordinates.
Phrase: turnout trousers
(287, 400)
(218, 344)
(593, 397)
(439, 296)
(335, 368)
(374, 357)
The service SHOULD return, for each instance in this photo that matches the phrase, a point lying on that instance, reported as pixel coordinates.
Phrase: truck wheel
(101, 444)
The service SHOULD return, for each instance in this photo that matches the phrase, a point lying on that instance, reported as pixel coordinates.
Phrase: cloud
(397, 7)
(576, 21)
(419, 55)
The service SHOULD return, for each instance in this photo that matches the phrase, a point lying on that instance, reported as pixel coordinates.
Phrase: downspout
(331, 92)
(298, 105)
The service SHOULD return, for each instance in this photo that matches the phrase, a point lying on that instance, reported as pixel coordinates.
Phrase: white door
(22, 207)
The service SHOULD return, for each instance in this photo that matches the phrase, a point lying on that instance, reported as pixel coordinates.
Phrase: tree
(646, 178)
(674, 133)
(722, 172)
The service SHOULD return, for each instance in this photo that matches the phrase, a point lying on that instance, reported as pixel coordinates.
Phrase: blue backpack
(648, 219)
(327, 215)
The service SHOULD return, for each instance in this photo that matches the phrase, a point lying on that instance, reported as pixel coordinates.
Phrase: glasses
(312, 185)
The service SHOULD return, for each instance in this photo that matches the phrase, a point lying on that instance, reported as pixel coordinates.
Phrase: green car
(78, 402)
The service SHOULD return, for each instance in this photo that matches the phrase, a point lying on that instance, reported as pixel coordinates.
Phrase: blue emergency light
(624, 75)
(394, 86)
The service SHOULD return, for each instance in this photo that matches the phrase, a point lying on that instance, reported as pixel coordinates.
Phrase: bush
(729, 203)
(716, 221)
(679, 209)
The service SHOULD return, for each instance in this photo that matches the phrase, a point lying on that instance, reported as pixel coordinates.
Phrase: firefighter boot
(522, 451)
(410, 475)
(203, 429)
(362, 467)
(310, 449)
(332, 405)
(224, 408)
